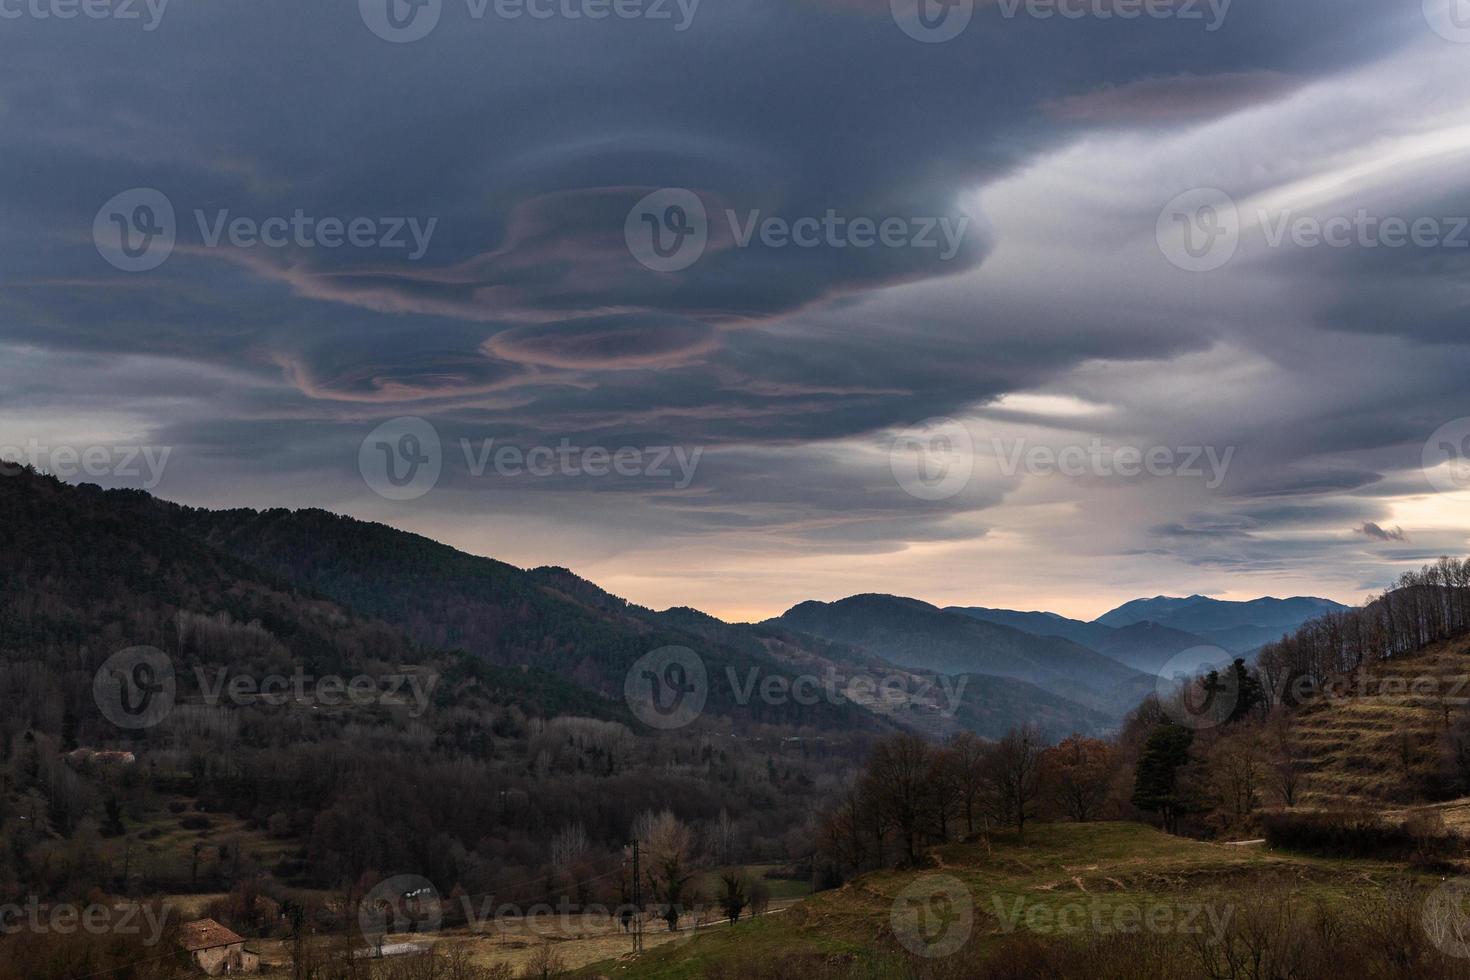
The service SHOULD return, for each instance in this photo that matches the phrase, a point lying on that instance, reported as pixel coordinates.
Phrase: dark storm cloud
(1371, 530)
(527, 143)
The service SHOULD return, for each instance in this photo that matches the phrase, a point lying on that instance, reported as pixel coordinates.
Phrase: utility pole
(637, 902)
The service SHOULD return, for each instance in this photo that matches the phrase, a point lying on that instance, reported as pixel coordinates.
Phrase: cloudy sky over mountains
(1229, 239)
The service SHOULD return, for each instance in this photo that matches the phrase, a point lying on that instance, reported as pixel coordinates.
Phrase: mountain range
(94, 571)
(1239, 626)
(1147, 633)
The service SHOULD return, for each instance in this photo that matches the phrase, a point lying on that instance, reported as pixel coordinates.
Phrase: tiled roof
(206, 934)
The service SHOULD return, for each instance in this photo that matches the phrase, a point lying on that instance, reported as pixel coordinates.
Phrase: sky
(1039, 304)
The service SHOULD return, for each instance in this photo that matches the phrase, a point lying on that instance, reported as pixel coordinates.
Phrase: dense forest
(523, 738)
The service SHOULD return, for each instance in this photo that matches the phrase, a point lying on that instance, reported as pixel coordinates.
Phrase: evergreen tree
(1156, 785)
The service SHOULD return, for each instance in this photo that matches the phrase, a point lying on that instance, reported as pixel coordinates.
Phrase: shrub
(1348, 833)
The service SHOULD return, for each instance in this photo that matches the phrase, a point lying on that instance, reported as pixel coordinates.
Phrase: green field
(781, 889)
(1065, 883)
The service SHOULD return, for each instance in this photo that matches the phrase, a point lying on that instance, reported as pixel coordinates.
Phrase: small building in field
(216, 950)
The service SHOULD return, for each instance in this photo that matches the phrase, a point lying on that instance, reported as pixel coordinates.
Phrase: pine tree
(1156, 785)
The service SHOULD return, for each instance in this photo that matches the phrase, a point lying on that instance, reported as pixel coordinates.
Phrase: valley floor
(1113, 885)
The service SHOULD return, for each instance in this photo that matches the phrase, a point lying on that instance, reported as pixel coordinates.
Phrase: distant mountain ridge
(1146, 633)
(1041, 624)
(1144, 646)
(1238, 626)
(917, 634)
